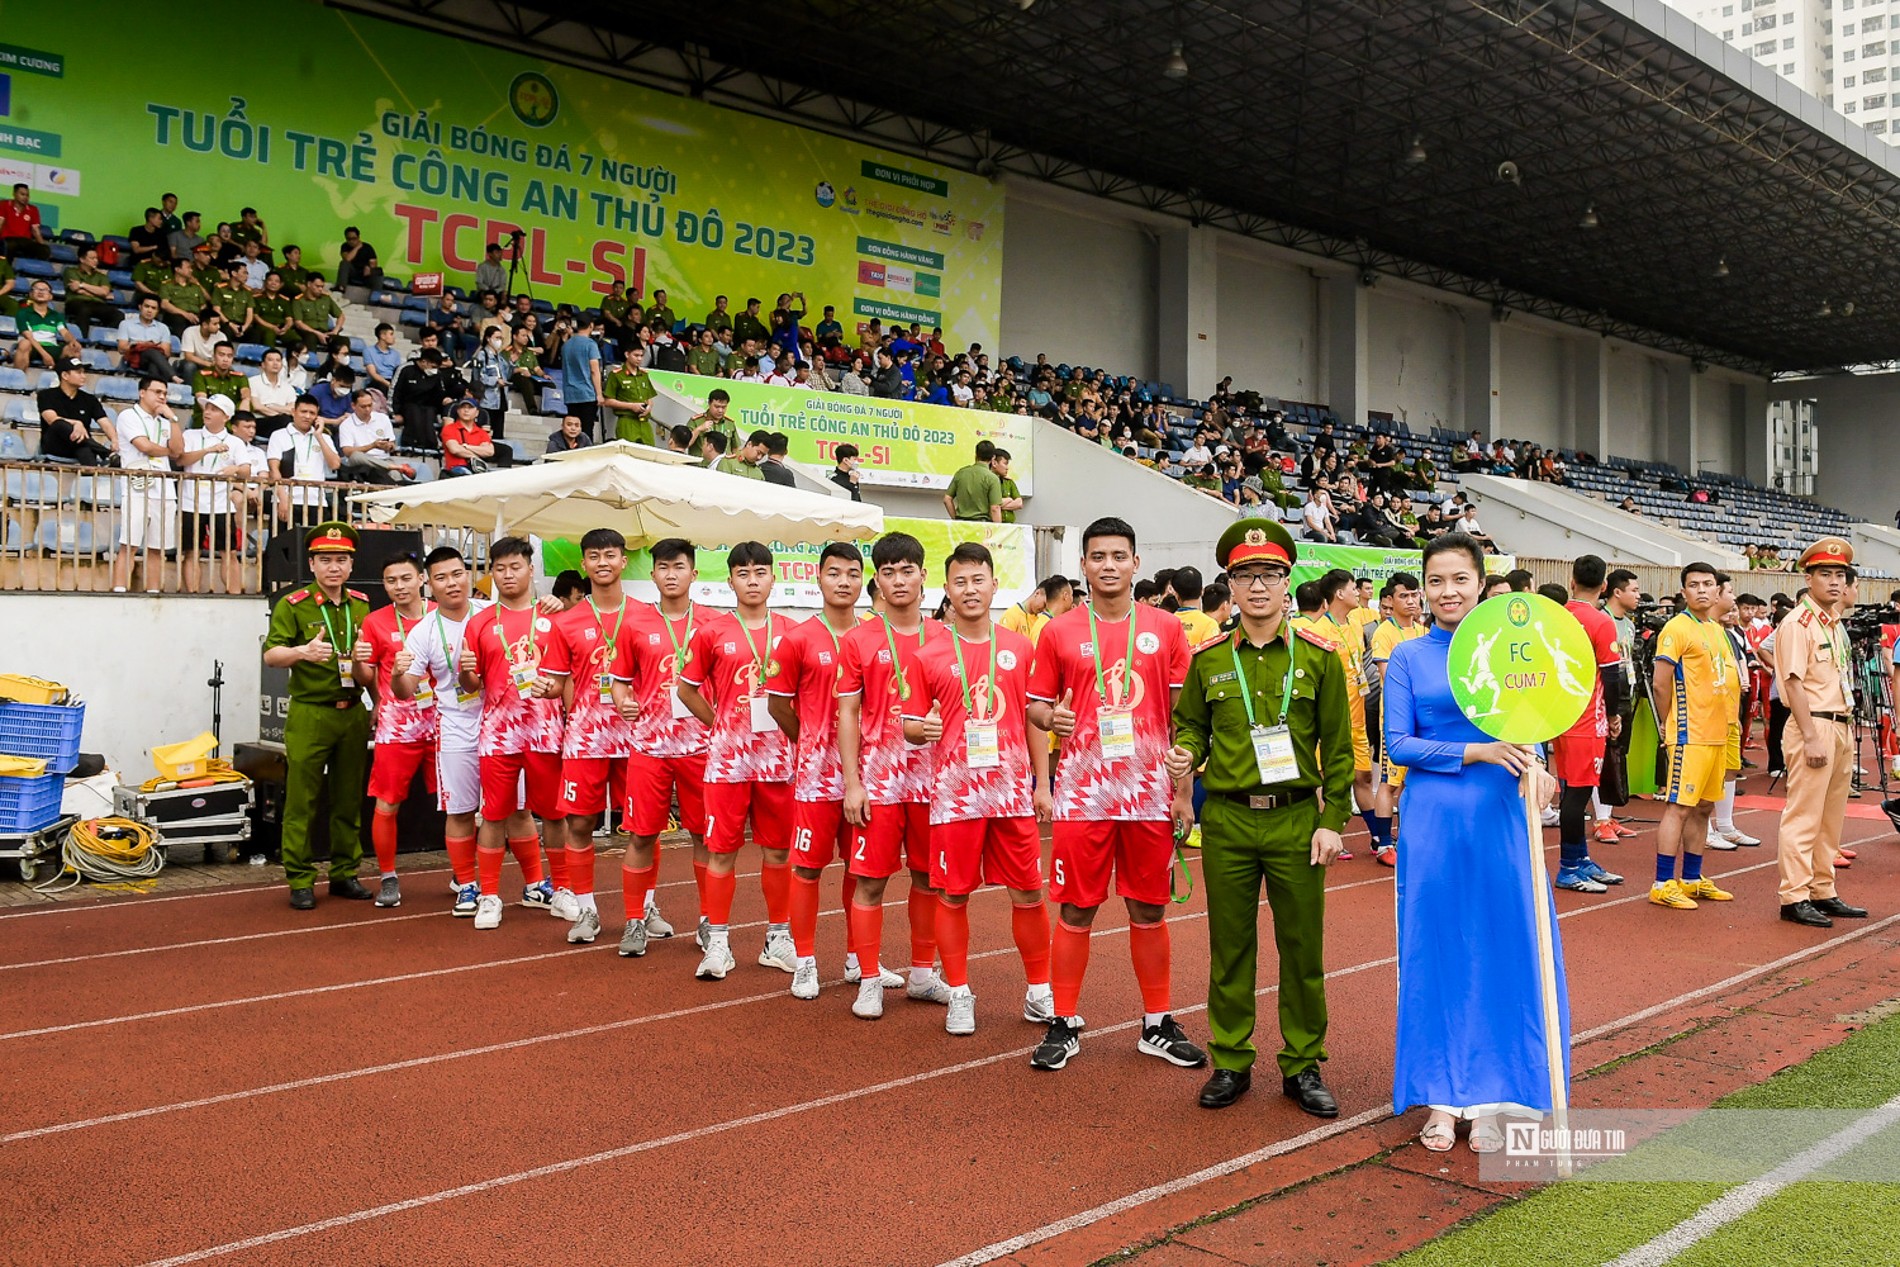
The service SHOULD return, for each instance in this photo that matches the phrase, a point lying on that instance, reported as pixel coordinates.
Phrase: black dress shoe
(1307, 1090)
(1226, 1086)
(1805, 913)
(350, 887)
(1838, 909)
(303, 899)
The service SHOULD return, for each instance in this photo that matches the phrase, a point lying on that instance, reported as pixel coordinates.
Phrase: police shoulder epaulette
(297, 597)
(1317, 640)
(1215, 641)
(359, 594)
(1807, 617)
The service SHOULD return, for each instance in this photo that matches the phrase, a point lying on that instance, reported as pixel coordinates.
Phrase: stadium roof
(1736, 219)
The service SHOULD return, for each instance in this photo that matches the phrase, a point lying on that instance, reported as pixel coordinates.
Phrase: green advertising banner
(901, 443)
(1013, 546)
(435, 147)
(1316, 558)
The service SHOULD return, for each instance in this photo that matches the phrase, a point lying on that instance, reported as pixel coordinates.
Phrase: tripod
(514, 268)
(1873, 712)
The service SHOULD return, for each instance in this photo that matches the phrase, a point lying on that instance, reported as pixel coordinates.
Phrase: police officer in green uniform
(326, 736)
(232, 298)
(1264, 710)
(627, 393)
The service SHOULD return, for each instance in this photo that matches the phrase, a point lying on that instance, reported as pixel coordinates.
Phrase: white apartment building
(1846, 52)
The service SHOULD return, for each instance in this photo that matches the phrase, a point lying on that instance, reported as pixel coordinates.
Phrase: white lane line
(373, 921)
(1737, 1203)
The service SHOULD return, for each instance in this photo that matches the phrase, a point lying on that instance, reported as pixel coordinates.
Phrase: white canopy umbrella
(645, 493)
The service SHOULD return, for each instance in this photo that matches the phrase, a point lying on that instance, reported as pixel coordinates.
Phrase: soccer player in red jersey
(886, 777)
(594, 749)
(669, 743)
(519, 742)
(1577, 754)
(405, 729)
(804, 702)
(1104, 680)
(748, 759)
(991, 782)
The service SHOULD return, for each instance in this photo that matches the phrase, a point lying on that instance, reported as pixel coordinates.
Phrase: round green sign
(533, 99)
(1521, 668)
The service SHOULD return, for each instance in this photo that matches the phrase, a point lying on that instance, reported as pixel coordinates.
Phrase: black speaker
(286, 566)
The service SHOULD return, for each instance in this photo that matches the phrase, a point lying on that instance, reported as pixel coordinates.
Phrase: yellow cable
(124, 862)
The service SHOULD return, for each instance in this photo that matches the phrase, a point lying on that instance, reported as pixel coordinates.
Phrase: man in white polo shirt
(149, 439)
(303, 452)
(366, 439)
(211, 526)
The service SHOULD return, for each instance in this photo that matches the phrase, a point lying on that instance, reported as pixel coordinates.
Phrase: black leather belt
(1272, 800)
(1844, 718)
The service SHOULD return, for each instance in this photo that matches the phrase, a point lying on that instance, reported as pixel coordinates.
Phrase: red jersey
(1123, 778)
(894, 770)
(1594, 724)
(806, 672)
(397, 720)
(583, 648)
(958, 792)
(18, 221)
(508, 647)
(649, 655)
(730, 665)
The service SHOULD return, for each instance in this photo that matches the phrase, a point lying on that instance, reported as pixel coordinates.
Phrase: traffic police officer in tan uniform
(1812, 676)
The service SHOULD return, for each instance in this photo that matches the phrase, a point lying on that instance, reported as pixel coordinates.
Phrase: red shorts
(651, 783)
(971, 852)
(898, 836)
(1139, 854)
(502, 777)
(819, 833)
(586, 783)
(727, 805)
(393, 770)
(1577, 759)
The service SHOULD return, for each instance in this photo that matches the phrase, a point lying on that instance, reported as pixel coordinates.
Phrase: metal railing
(75, 529)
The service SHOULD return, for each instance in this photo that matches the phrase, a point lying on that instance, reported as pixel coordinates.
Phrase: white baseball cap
(222, 404)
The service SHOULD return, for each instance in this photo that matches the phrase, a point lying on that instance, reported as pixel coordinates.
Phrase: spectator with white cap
(210, 523)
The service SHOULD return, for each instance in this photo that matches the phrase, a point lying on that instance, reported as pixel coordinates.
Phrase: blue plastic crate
(30, 804)
(43, 730)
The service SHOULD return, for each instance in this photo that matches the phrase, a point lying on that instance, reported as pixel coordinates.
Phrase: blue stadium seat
(9, 327)
(61, 253)
(395, 283)
(543, 307)
(12, 380)
(103, 491)
(116, 387)
(35, 268)
(412, 317)
(103, 337)
(98, 359)
(180, 394)
(13, 537)
(21, 485)
(251, 353)
(415, 303)
(120, 278)
(12, 443)
(41, 380)
(66, 535)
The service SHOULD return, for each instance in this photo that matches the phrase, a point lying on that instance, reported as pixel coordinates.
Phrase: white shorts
(458, 781)
(149, 518)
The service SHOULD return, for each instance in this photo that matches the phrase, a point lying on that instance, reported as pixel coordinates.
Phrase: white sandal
(1439, 1136)
(1486, 1137)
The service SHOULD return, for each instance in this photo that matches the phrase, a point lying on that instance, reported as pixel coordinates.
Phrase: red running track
(216, 1079)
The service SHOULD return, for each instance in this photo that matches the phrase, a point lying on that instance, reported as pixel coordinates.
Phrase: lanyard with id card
(982, 749)
(424, 697)
(349, 640)
(524, 672)
(761, 715)
(1272, 745)
(1116, 725)
(603, 681)
(451, 659)
(679, 710)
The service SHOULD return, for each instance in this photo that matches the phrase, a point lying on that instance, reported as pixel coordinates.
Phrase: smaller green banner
(32, 61)
(909, 180)
(898, 253)
(27, 141)
(929, 285)
(1521, 668)
(896, 312)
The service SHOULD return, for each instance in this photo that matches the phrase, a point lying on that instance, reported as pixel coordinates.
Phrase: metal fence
(73, 529)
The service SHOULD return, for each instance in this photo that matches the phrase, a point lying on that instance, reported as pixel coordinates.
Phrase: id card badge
(343, 671)
(425, 696)
(1273, 754)
(762, 715)
(980, 748)
(606, 685)
(465, 698)
(524, 676)
(1118, 735)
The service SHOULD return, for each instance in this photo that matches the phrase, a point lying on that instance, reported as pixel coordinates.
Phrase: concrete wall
(1268, 338)
(1638, 403)
(1858, 420)
(1533, 386)
(1081, 287)
(1717, 424)
(1415, 351)
(141, 665)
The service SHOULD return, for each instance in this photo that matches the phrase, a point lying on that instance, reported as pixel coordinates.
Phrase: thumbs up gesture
(933, 723)
(317, 650)
(466, 662)
(362, 650)
(405, 661)
(1062, 716)
(1180, 762)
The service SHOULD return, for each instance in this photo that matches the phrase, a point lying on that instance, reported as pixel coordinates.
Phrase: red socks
(382, 833)
(580, 866)
(719, 890)
(953, 943)
(699, 882)
(1148, 946)
(462, 858)
(488, 866)
(527, 852)
(804, 915)
(776, 881)
(848, 893)
(867, 932)
(1068, 963)
(923, 926)
(557, 867)
(635, 885)
(1030, 926)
